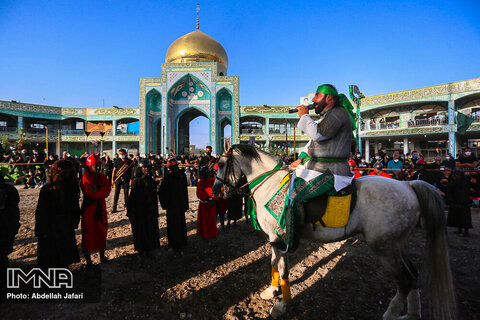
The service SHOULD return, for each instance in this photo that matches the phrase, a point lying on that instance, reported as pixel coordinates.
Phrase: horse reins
(229, 167)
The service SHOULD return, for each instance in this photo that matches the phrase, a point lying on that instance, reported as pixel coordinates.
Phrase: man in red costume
(95, 188)
(207, 216)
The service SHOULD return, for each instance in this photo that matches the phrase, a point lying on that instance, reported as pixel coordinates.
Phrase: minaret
(198, 21)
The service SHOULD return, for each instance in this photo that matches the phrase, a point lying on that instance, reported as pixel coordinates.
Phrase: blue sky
(79, 53)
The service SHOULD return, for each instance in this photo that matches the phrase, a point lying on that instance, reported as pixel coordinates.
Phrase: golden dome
(196, 46)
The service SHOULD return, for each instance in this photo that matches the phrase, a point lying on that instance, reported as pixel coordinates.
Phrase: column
(405, 145)
(267, 133)
(367, 149)
(452, 144)
(20, 122)
(114, 139)
(452, 141)
(412, 146)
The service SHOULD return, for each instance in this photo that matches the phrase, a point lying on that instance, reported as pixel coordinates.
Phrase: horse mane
(246, 150)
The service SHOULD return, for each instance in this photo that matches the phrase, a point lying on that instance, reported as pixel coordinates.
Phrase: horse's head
(231, 167)
(227, 175)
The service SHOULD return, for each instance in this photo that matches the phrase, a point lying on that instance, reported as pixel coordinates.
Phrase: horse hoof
(278, 310)
(269, 293)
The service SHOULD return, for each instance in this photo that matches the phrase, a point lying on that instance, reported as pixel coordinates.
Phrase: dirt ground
(222, 278)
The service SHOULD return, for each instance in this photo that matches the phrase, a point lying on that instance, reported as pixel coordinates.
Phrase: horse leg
(405, 278)
(413, 299)
(273, 289)
(280, 307)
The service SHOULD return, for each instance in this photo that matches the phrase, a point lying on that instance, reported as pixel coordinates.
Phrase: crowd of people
(454, 178)
(145, 181)
(151, 179)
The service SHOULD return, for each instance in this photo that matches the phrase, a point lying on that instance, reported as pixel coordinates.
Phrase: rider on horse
(330, 136)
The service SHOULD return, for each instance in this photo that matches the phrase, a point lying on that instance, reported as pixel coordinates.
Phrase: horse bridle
(229, 170)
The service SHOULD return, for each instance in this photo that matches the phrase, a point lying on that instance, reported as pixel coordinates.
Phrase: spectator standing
(457, 197)
(57, 216)
(467, 160)
(206, 219)
(173, 196)
(235, 204)
(449, 162)
(9, 225)
(378, 171)
(121, 177)
(142, 211)
(421, 173)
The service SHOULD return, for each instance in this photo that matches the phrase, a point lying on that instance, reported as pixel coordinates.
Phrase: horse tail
(439, 276)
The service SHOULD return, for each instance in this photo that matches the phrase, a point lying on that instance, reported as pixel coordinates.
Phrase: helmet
(378, 166)
(93, 160)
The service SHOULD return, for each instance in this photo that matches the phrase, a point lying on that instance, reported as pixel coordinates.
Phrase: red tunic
(94, 231)
(207, 217)
(382, 174)
(357, 174)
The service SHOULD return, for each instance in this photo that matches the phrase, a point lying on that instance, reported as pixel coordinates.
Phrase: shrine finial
(198, 20)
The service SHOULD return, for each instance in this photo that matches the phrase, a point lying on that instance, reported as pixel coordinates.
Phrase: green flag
(463, 122)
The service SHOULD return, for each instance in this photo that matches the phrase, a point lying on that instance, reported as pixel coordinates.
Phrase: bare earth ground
(221, 278)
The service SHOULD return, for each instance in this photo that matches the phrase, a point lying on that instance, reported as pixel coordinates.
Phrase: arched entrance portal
(183, 131)
(225, 134)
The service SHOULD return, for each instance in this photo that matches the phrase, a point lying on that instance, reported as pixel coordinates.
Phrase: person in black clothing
(142, 211)
(422, 174)
(235, 204)
(173, 196)
(57, 216)
(107, 164)
(207, 159)
(449, 162)
(467, 160)
(121, 177)
(9, 225)
(458, 199)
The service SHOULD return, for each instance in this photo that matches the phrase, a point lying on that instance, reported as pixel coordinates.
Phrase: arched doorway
(187, 127)
(225, 134)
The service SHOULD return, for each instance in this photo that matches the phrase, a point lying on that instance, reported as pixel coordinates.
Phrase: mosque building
(194, 82)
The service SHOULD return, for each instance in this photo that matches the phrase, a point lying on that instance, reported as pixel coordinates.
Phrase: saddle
(331, 211)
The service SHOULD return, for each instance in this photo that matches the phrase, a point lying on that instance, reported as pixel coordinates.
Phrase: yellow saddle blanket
(337, 212)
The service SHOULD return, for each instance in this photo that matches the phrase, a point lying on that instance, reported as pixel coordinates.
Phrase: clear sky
(81, 53)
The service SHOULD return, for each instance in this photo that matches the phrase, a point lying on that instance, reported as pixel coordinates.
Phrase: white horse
(385, 213)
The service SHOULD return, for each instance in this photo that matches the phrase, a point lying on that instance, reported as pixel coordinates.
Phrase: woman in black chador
(173, 195)
(458, 199)
(142, 211)
(57, 216)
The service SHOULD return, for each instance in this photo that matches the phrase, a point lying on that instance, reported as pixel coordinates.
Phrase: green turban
(342, 99)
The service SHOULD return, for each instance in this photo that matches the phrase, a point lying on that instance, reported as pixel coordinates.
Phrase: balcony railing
(251, 131)
(124, 133)
(404, 124)
(41, 130)
(73, 132)
(8, 129)
(427, 122)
